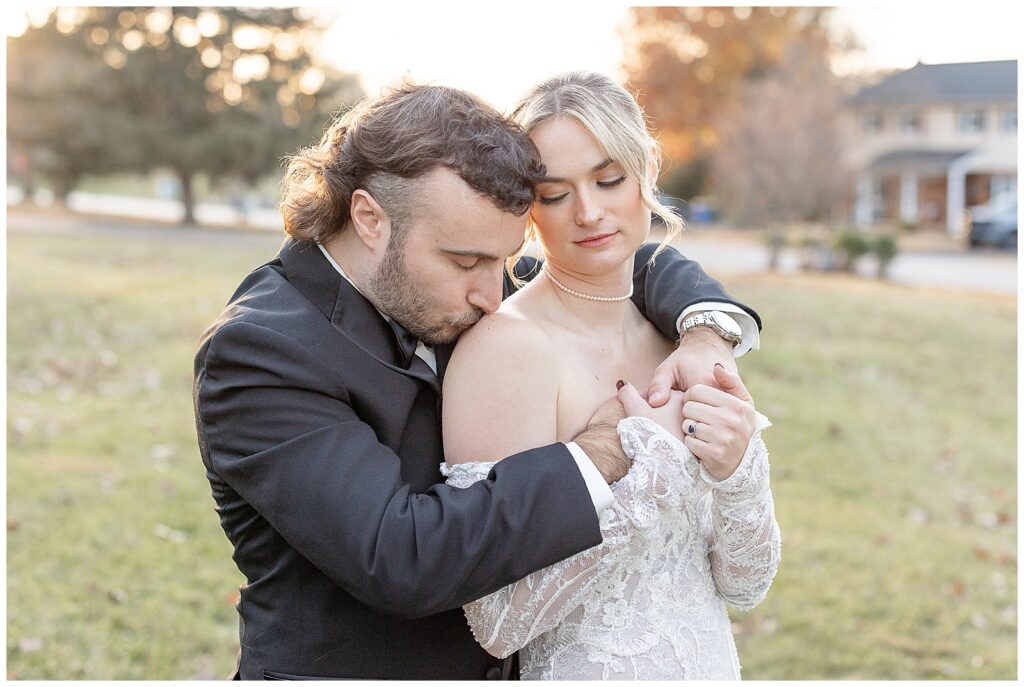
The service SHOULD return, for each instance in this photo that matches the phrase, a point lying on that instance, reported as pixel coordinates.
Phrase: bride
(692, 525)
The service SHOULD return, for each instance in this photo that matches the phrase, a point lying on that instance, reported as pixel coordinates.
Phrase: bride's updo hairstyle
(613, 118)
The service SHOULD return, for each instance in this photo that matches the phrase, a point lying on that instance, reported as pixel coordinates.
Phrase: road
(986, 271)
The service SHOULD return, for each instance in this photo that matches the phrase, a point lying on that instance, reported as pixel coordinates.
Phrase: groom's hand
(600, 441)
(692, 363)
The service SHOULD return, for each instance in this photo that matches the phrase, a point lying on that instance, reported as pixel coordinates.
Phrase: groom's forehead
(445, 201)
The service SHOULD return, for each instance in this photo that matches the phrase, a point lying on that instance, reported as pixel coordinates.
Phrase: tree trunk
(62, 186)
(187, 197)
(776, 241)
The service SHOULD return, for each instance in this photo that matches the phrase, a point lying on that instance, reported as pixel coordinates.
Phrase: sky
(499, 53)
(499, 50)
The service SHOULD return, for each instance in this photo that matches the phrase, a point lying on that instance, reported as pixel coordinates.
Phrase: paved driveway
(989, 271)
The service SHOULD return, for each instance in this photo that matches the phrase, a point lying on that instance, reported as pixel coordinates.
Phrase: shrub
(885, 247)
(852, 245)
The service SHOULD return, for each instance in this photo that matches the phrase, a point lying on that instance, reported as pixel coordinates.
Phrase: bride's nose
(588, 210)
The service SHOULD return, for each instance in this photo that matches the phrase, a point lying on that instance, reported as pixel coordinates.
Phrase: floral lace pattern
(648, 603)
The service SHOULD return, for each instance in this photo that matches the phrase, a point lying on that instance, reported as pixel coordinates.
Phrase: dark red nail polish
(619, 384)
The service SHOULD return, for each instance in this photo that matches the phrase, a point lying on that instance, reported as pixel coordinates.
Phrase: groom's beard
(408, 302)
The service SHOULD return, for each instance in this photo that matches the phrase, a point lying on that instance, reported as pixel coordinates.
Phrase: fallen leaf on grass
(152, 379)
(957, 588)
(918, 515)
(30, 646)
(171, 535)
(205, 668)
(11, 524)
(988, 520)
(162, 452)
(108, 482)
(118, 596)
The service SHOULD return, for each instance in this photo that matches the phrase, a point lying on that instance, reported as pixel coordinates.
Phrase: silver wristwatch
(723, 325)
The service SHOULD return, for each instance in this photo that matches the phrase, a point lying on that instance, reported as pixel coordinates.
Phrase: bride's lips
(595, 241)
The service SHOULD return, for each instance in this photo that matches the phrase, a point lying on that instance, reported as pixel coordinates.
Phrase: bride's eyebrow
(596, 168)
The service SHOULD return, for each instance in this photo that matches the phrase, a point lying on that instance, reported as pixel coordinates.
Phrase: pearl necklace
(584, 296)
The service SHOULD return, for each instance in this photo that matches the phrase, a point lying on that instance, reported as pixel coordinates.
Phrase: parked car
(694, 212)
(994, 224)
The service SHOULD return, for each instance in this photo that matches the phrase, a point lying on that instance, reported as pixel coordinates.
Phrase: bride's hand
(669, 415)
(718, 424)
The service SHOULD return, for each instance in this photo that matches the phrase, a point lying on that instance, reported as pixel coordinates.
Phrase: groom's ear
(369, 221)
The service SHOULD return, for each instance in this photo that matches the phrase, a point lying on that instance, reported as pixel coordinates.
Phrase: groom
(317, 396)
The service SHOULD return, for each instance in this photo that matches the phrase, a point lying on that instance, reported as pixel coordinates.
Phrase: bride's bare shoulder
(500, 390)
(509, 334)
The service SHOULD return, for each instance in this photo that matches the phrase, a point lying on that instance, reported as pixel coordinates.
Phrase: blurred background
(850, 172)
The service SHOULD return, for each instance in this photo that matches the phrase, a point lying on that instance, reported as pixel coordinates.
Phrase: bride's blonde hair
(613, 118)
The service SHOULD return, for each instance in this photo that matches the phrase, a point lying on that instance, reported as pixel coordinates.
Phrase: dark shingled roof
(932, 83)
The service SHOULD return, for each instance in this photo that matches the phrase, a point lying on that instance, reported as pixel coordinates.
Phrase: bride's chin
(593, 266)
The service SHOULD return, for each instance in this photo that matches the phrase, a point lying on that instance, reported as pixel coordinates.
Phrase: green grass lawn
(893, 454)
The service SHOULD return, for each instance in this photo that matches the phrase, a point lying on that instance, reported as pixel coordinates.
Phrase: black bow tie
(406, 343)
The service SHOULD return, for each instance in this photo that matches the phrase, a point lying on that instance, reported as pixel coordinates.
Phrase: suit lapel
(351, 314)
(443, 354)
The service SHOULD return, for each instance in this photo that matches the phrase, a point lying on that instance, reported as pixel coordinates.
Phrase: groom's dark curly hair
(383, 145)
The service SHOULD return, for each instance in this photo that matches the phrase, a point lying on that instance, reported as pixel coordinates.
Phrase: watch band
(708, 320)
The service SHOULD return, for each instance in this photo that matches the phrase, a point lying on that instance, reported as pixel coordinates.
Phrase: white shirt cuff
(751, 336)
(600, 492)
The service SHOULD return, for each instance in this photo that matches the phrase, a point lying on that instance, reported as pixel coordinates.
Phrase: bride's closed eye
(611, 183)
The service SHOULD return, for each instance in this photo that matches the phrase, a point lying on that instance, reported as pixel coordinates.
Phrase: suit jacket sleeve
(662, 289)
(294, 448)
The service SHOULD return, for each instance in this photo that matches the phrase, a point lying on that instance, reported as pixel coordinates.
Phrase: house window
(1009, 120)
(910, 122)
(873, 121)
(971, 120)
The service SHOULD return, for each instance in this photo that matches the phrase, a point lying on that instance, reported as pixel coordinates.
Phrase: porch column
(908, 196)
(863, 211)
(956, 194)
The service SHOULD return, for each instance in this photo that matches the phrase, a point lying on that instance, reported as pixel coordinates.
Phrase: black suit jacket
(323, 451)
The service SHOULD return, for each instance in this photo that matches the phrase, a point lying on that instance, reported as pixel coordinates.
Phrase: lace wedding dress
(649, 602)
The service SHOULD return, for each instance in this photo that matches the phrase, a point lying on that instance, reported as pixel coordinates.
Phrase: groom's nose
(486, 293)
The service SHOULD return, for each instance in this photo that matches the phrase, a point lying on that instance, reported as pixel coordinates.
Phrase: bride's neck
(594, 315)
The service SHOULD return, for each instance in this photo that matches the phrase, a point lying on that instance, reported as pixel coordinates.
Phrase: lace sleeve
(746, 544)
(503, 622)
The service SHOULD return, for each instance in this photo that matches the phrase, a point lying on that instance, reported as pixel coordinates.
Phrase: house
(929, 142)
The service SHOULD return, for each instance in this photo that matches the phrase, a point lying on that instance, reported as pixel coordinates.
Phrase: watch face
(728, 325)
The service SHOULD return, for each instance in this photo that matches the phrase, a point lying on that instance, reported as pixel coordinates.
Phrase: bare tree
(779, 157)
